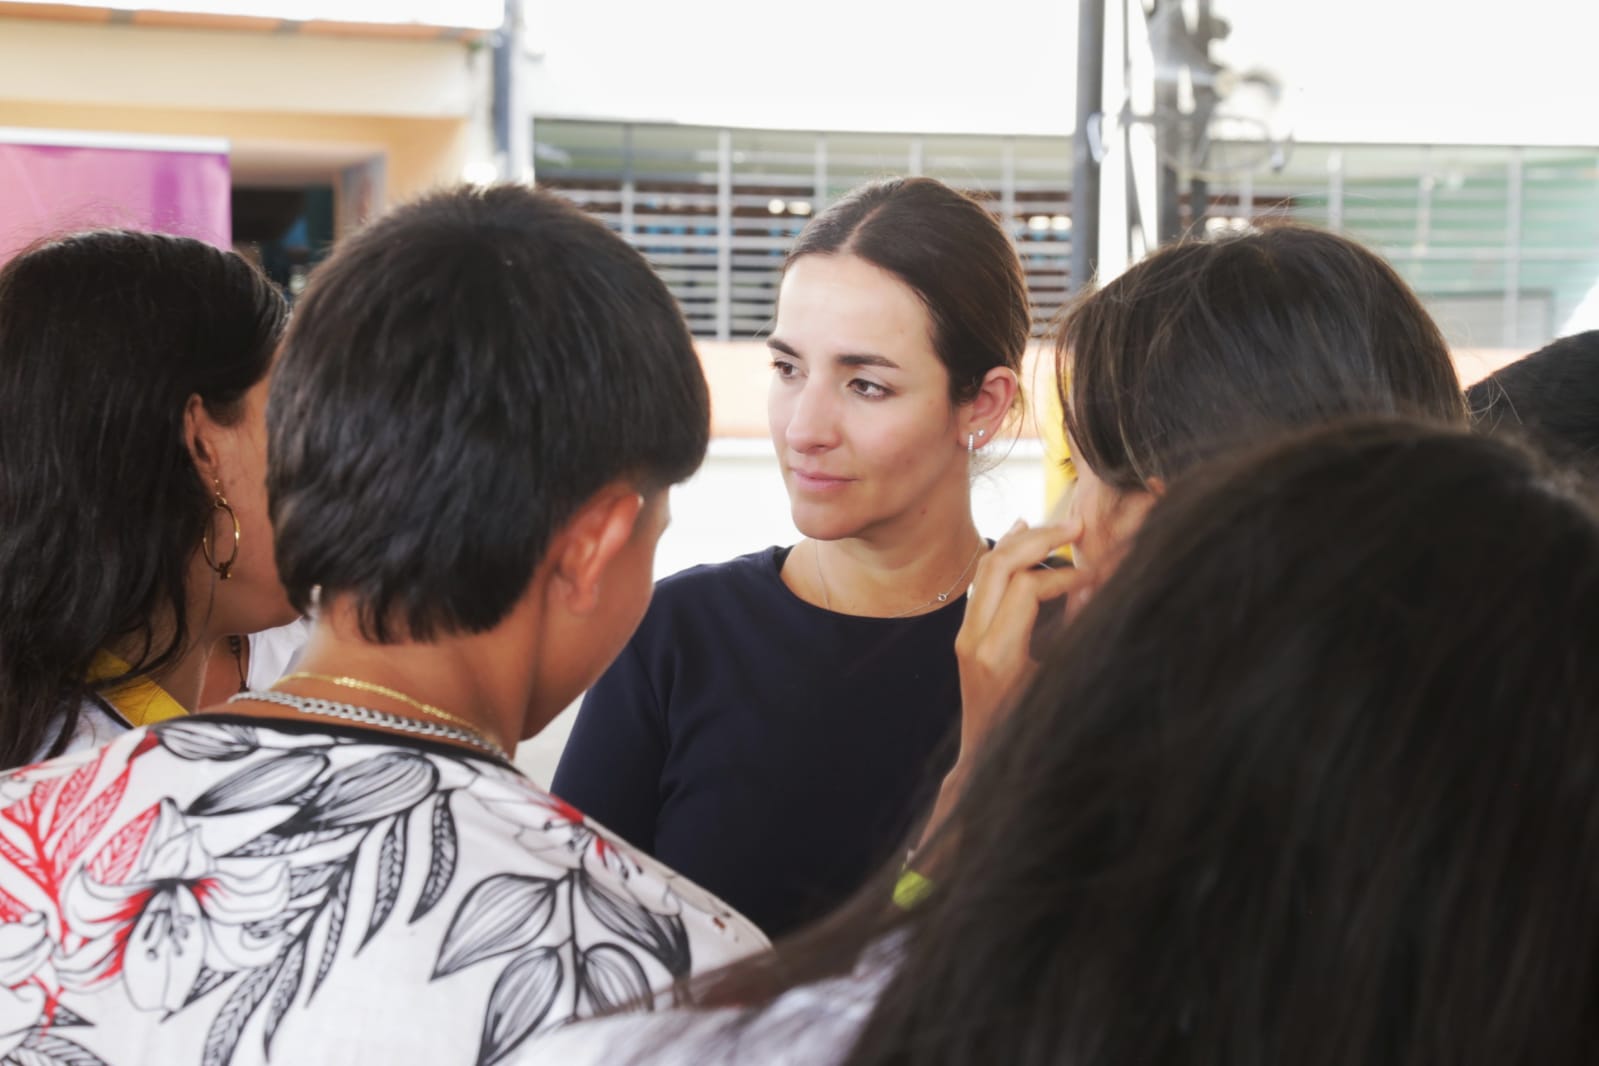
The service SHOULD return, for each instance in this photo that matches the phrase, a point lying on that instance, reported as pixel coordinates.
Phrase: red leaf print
(565, 810)
(109, 965)
(76, 836)
(52, 1002)
(603, 849)
(25, 812)
(20, 812)
(26, 863)
(11, 908)
(73, 793)
(114, 862)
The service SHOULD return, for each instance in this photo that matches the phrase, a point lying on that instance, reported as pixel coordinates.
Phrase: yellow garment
(910, 889)
(139, 701)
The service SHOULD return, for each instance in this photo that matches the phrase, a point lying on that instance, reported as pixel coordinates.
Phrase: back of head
(1309, 781)
(104, 336)
(1213, 344)
(953, 253)
(1551, 397)
(460, 377)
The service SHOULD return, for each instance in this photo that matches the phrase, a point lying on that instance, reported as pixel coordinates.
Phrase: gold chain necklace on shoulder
(392, 693)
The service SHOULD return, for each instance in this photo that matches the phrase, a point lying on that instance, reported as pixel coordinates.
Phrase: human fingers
(996, 661)
(1021, 549)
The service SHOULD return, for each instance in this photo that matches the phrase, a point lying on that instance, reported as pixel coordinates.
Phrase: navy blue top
(774, 752)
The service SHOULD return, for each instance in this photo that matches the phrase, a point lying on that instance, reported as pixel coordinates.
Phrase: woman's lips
(819, 482)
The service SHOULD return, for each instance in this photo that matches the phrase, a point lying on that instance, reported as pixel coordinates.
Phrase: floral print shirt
(813, 1025)
(221, 890)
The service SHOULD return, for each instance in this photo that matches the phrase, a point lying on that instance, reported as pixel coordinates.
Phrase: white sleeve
(273, 652)
(95, 727)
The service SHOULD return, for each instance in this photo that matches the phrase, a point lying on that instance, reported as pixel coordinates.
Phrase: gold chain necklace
(942, 597)
(394, 694)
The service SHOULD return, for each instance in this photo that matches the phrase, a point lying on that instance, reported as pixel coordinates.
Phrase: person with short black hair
(1297, 787)
(1550, 397)
(474, 423)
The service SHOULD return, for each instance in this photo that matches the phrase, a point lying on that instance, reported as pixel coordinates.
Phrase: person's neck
(460, 675)
(184, 678)
(886, 575)
(227, 670)
(180, 679)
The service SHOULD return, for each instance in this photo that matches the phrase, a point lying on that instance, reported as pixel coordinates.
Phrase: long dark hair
(952, 253)
(1213, 344)
(1551, 398)
(1311, 781)
(104, 336)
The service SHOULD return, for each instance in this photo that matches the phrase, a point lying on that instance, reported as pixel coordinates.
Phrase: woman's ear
(995, 397)
(200, 437)
(1156, 486)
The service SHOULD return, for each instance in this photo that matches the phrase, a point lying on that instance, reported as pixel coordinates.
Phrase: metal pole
(1198, 205)
(1170, 227)
(1335, 192)
(511, 119)
(820, 180)
(724, 235)
(1085, 167)
(629, 185)
(1424, 188)
(1204, 103)
(1134, 226)
(1511, 333)
(1007, 185)
(1168, 189)
(500, 103)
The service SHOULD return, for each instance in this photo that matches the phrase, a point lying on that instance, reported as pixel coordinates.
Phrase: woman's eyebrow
(868, 359)
(847, 359)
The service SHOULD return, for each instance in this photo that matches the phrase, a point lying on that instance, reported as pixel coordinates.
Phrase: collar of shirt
(139, 700)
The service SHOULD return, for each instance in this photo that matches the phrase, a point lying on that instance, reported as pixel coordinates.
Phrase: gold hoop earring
(224, 568)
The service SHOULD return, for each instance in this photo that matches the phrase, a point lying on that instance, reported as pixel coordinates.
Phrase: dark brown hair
(1307, 783)
(1550, 398)
(104, 336)
(952, 253)
(1212, 344)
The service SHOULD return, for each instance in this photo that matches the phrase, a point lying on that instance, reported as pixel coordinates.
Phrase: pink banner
(55, 187)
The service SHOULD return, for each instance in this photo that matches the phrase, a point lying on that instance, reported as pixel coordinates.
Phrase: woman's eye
(784, 368)
(871, 390)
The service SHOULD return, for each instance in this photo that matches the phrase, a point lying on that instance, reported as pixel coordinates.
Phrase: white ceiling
(1384, 71)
